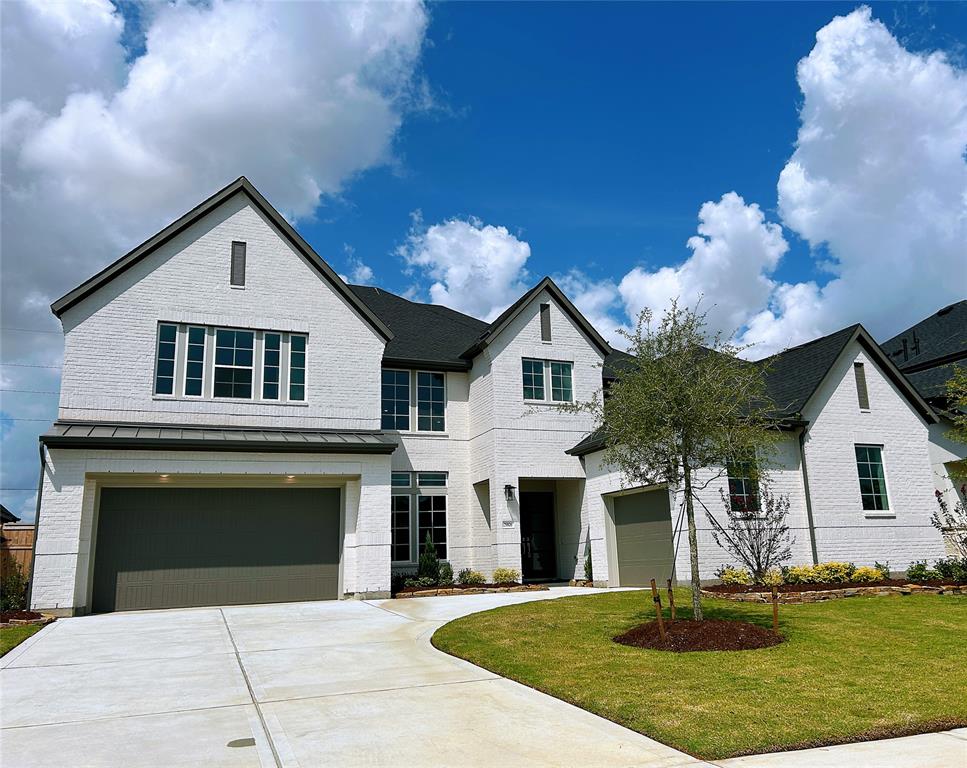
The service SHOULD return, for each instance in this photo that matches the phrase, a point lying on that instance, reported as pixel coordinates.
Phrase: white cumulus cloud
(879, 179)
(476, 268)
(99, 150)
(728, 273)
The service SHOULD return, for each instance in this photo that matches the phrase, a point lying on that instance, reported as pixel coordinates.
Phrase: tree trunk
(692, 542)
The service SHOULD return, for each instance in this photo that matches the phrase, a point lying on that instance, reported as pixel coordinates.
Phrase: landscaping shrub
(470, 576)
(800, 574)
(953, 568)
(421, 582)
(867, 573)
(883, 568)
(920, 571)
(731, 575)
(429, 565)
(773, 578)
(506, 575)
(588, 571)
(834, 572)
(13, 589)
(399, 578)
(446, 574)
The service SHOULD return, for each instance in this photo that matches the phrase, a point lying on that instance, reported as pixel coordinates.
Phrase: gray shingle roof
(422, 333)
(177, 437)
(935, 340)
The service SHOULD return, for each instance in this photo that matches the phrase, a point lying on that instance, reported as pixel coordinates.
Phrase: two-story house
(237, 425)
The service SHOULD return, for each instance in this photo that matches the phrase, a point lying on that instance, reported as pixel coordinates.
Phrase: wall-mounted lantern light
(509, 492)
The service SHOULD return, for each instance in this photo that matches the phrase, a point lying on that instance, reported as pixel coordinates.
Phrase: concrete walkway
(324, 684)
(301, 684)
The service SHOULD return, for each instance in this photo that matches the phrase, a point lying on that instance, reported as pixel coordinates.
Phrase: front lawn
(850, 670)
(11, 637)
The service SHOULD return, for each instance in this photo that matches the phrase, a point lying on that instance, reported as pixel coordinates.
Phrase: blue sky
(597, 131)
(792, 167)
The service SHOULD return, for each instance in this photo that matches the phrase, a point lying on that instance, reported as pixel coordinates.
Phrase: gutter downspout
(809, 505)
(33, 551)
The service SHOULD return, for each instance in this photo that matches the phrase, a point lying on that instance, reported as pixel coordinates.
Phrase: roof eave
(234, 446)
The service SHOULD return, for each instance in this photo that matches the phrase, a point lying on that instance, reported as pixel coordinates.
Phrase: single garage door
(643, 532)
(180, 547)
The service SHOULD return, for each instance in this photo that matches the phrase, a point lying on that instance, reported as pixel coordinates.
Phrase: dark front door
(538, 544)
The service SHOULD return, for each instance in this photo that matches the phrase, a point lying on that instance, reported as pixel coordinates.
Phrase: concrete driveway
(299, 684)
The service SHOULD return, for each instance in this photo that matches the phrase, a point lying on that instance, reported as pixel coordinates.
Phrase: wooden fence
(17, 546)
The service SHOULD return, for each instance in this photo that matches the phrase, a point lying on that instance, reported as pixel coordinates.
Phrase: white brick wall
(109, 337)
(72, 477)
(843, 530)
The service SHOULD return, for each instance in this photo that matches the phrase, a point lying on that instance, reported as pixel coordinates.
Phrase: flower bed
(707, 635)
(467, 589)
(812, 593)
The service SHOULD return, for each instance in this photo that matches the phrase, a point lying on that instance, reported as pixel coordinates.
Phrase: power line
(27, 330)
(31, 365)
(19, 489)
(33, 391)
(9, 419)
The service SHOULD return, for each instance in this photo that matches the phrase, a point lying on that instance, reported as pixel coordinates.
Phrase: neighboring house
(927, 353)
(237, 424)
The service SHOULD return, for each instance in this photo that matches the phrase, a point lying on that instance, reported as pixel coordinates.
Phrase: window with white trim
(297, 367)
(164, 369)
(234, 352)
(534, 374)
(743, 486)
(869, 467)
(195, 361)
(419, 507)
(431, 401)
(230, 363)
(401, 528)
(271, 365)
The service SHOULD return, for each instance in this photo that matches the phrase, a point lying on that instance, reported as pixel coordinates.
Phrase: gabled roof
(935, 340)
(240, 186)
(508, 315)
(794, 375)
(423, 334)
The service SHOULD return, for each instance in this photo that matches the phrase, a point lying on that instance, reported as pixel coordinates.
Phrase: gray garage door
(181, 547)
(643, 532)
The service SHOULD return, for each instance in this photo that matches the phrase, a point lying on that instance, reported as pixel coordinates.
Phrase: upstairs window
(271, 366)
(431, 401)
(862, 393)
(237, 278)
(164, 376)
(533, 372)
(195, 361)
(395, 410)
(869, 467)
(743, 486)
(233, 363)
(297, 367)
(561, 391)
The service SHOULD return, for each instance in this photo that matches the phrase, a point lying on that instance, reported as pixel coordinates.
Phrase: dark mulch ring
(737, 588)
(459, 586)
(6, 616)
(706, 635)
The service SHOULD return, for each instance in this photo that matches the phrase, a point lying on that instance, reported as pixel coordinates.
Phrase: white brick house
(237, 424)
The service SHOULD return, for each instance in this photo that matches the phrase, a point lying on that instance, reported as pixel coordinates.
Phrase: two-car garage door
(167, 547)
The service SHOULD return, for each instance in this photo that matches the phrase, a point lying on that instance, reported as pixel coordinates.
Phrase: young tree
(685, 401)
(756, 534)
(952, 521)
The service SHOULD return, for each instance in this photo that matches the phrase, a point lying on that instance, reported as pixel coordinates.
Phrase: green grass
(11, 637)
(850, 670)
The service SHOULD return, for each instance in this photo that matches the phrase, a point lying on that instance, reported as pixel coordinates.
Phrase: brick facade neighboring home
(237, 424)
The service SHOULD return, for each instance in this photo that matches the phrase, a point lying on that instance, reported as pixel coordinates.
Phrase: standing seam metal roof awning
(182, 438)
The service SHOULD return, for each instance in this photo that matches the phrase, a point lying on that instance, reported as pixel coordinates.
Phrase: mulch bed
(707, 635)
(407, 590)
(742, 588)
(6, 616)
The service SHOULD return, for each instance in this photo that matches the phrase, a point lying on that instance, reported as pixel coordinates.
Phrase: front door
(538, 544)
